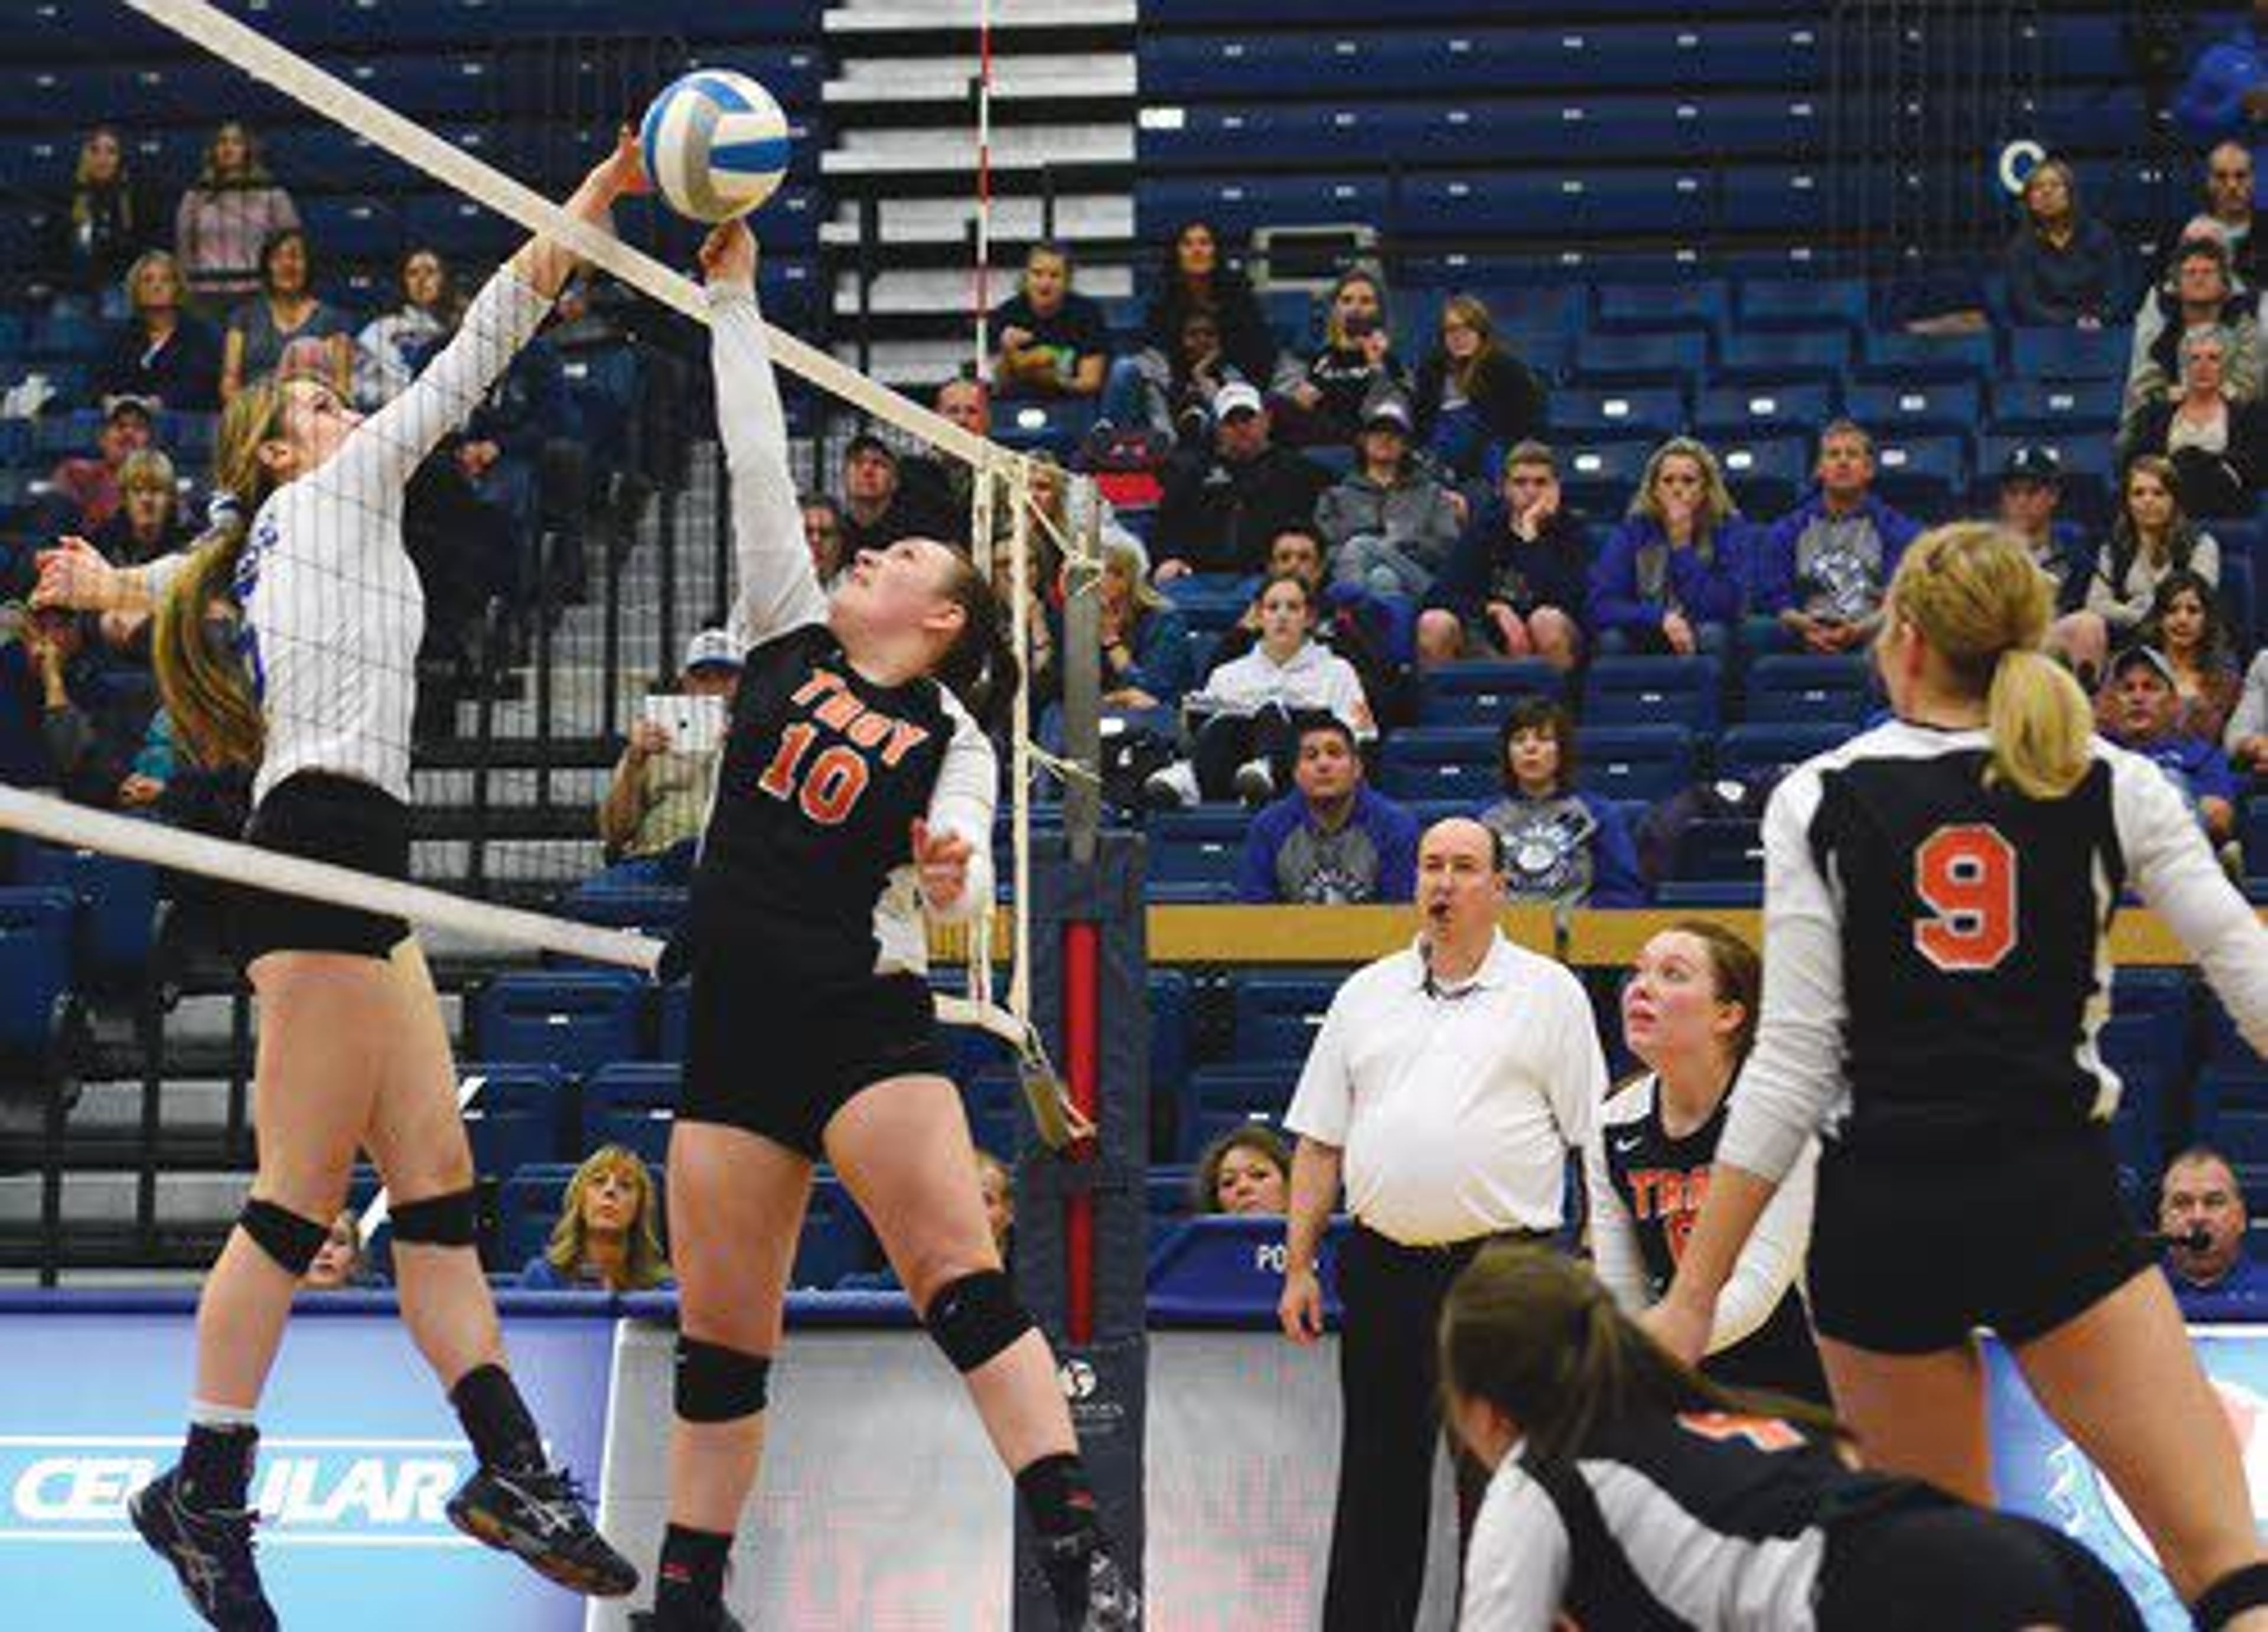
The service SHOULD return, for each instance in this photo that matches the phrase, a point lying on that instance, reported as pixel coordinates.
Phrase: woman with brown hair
(1689, 1013)
(2064, 266)
(1936, 895)
(108, 220)
(2151, 538)
(1472, 393)
(1673, 576)
(162, 353)
(609, 1236)
(1630, 1491)
(312, 681)
(226, 214)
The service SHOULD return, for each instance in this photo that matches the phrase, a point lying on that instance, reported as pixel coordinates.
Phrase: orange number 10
(1967, 876)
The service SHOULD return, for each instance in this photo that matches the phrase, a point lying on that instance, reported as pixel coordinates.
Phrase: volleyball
(715, 144)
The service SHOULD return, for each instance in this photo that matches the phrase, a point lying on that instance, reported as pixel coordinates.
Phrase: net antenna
(41, 816)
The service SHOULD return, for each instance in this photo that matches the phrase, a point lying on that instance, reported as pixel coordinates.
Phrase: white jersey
(333, 608)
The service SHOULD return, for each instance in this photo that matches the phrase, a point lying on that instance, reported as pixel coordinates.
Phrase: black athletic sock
(216, 1465)
(692, 1571)
(497, 1421)
(1061, 1502)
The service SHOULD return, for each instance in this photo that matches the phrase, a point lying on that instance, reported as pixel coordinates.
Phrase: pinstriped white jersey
(333, 608)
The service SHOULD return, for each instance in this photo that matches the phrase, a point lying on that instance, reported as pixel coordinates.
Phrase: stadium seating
(1784, 689)
(1476, 694)
(1654, 691)
(1645, 762)
(632, 1104)
(579, 1020)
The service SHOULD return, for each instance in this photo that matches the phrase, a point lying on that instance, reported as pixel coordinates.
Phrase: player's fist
(942, 860)
(75, 576)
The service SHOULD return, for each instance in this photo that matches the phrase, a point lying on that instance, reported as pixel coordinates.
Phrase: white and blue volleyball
(715, 144)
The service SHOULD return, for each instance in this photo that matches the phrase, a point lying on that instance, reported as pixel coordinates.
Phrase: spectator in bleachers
(1253, 707)
(1673, 576)
(1047, 339)
(2246, 737)
(1223, 505)
(609, 1236)
(998, 1187)
(1145, 642)
(947, 485)
(226, 214)
(1518, 584)
(108, 221)
(164, 354)
(1344, 623)
(878, 508)
(148, 522)
(2030, 492)
(2150, 538)
(340, 1265)
(2201, 1212)
(2201, 294)
(522, 433)
(1245, 1172)
(1822, 569)
(1473, 395)
(84, 490)
(394, 346)
(822, 536)
(1337, 840)
(1563, 847)
(2144, 715)
(650, 819)
(2217, 447)
(286, 327)
(1391, 524)
(1197, 277)
(2185, 625)
(94, 705)
(2228, 186)
(1446, 1089)
(1333, 396)
(2064, 267)
(2225, 97)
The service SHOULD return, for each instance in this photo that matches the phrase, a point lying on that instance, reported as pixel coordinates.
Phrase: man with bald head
(1444, 1090)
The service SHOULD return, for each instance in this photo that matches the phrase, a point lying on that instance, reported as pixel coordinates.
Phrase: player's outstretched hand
(943, 859)
(1679, 1326)
(75, 576)
(728, 255)
(622, 172)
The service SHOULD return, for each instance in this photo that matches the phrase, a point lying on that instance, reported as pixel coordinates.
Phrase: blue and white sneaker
(541, 1517)
(210, 1551)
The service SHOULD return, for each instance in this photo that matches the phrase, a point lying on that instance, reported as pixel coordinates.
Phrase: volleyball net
(558, 645)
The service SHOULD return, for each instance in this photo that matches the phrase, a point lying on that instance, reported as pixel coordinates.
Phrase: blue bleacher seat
(1169, 999)
(2066, 354)
(1766, 473)
(1893, 356)
(1801, 303)
(1813, 354)
(2059, 408)
(1029, 424)
(579, 1020)
(655, 908)
(1921, 475)
(992, 1100)
(35, 972)
(1774, 197)
(1743, 413)
(117, 921)
(1479, 694)
(1193, 853)
(1745, 750)
(1440, 762)
(1594, 414)
(1279, 1015)
(523, 1088)
(1671, 360)
(1699, 304)
(1237, 206)
(1654, 691)
(1917, 408)
(1645, 762)
(1220, 1096)
(1720, 851)
(504, 1141)
(633, 1104)
(1709, 894)
(1790, 688)
(1599, 477)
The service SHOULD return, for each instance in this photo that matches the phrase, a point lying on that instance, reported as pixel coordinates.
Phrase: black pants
(1390, 1422)
(1226, 741)
(1961, 1567)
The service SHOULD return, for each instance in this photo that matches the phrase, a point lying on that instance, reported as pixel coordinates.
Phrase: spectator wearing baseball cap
(2028, 493)
(652, 817)
(1390, 525)
(1222, 504)
(879, 508)
(2142, 714)
(85, 487)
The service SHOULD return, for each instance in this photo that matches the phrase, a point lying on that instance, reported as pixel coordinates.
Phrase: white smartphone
(695, 725)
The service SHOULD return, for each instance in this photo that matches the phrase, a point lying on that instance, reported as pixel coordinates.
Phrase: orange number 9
(1966, 874)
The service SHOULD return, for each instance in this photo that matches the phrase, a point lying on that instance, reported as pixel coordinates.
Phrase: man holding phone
(651, 816)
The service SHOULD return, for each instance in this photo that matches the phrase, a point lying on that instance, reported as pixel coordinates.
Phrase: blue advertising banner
(2038, 1470)
(358, 1453)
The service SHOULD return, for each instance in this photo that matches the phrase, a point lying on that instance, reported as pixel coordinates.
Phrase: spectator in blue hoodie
(2226, 96)
(2144, 716)
(1675, 574)
(1518, 584)
(1821, 571)
(1563, 847)
(1335, 841)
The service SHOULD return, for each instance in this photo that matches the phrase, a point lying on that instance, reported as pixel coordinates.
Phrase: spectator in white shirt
(1447, 1086)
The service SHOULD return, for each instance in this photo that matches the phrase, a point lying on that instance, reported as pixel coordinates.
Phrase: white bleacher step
(447, 863)
(921, 17)
(208, 1017)
(139, 1278)
(191, 1106)
(911, 365)
(193, 1201)
(1079, 217)
(1016, 149)
(942, 290)
(898, 81)
(578, 789)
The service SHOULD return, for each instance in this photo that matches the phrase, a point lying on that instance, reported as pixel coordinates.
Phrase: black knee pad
(719, 1384)
(290, 1240)
(2231, 1596)
(974, 1318)
(451, 1220)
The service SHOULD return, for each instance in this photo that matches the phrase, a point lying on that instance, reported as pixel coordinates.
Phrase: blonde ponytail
(2040, 724)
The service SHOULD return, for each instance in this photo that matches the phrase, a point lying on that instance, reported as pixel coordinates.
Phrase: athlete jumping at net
(856, 790)
(1936, 895)
(316, 686)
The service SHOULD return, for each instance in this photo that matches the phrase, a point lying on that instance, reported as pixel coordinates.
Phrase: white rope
(208, 27)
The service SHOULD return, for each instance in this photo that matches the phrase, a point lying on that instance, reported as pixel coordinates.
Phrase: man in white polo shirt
(1446, 1088)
